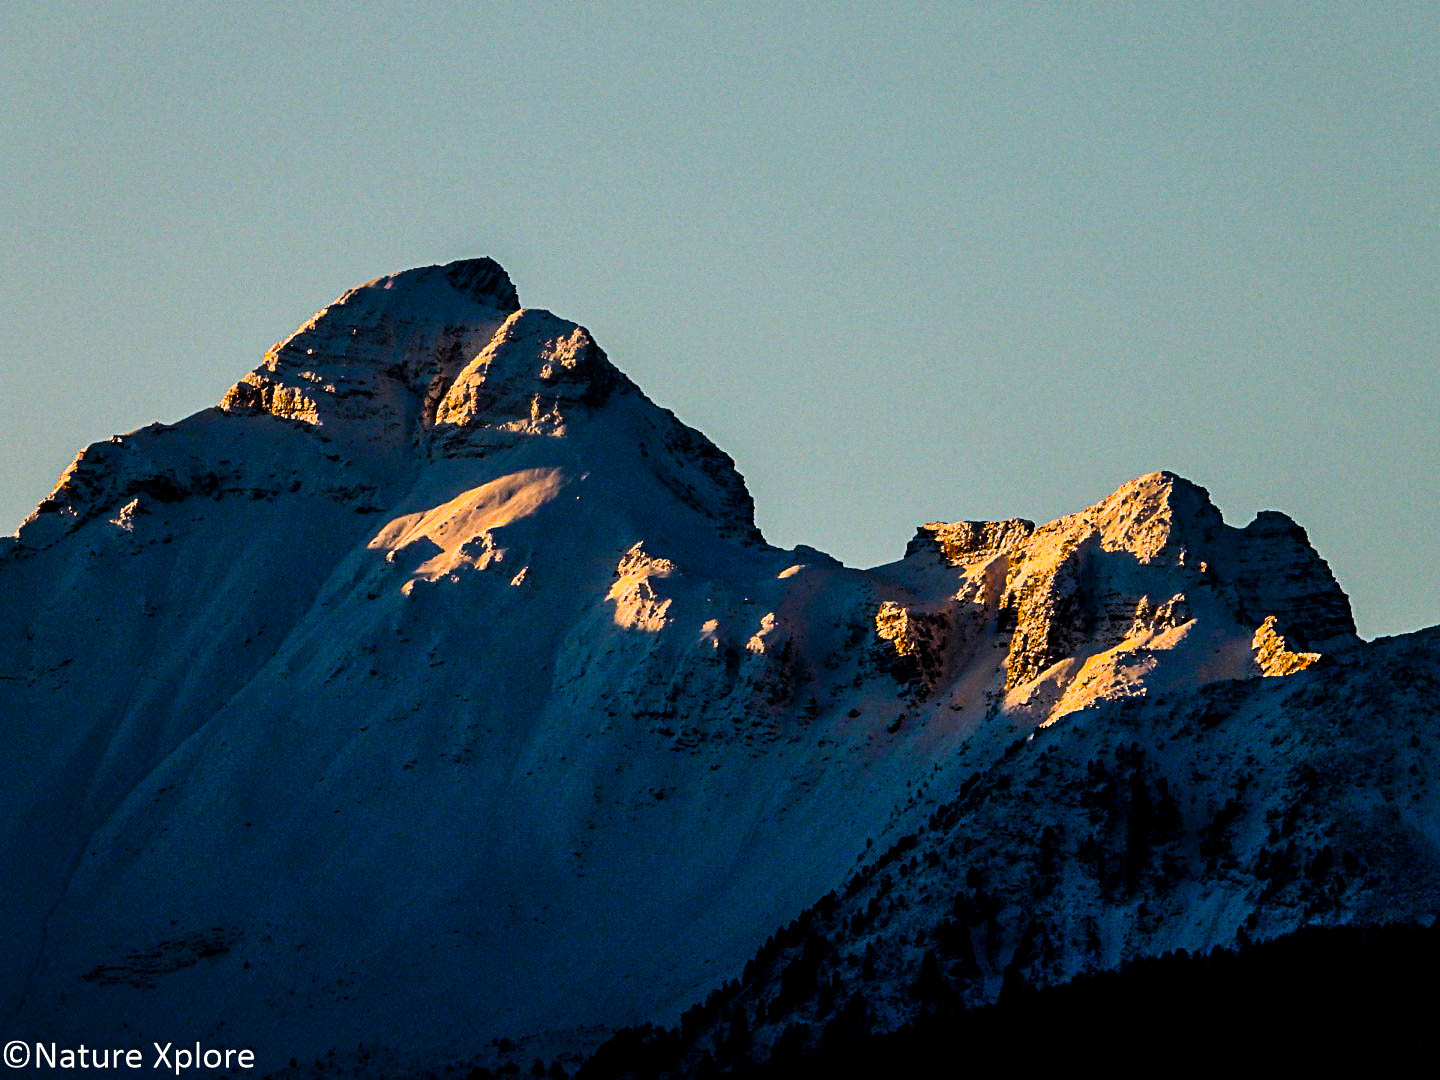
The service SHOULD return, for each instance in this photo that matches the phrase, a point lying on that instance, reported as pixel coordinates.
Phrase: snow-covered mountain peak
(437, 614)
(382, 353)
(1089, 605)
(1150, 517)
(1267, 568)
(394, 378)
(447, 292)
(483, 280)
(530, 379)
(1153, 517)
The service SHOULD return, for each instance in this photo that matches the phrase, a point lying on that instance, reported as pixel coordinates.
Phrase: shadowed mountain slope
(437, 686)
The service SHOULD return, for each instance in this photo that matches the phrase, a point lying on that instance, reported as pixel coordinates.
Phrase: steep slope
(438, 686)
(1240, 812)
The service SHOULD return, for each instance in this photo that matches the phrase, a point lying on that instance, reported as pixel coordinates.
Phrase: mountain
(436, 692)
(1242, 815)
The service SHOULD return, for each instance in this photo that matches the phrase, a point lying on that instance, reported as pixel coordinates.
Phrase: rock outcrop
(1083, 606)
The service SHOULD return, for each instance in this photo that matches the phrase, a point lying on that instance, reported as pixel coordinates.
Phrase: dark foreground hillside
(1365, 997)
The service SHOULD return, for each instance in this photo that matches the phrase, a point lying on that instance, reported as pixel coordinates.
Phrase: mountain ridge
(437, 686)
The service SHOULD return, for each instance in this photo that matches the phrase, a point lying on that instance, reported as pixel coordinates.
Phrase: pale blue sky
(904, 262)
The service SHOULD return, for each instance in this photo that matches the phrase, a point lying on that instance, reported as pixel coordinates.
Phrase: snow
(447, 680)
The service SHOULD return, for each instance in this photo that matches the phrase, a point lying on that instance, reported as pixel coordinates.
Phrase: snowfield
(438, 687)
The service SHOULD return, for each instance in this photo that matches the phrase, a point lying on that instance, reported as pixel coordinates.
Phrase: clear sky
(904, 262)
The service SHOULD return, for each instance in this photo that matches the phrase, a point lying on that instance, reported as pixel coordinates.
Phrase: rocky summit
(434, 699)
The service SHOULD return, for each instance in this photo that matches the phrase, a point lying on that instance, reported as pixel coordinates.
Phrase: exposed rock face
(438, 614)
(916, 642)
(1083, 603)
(1278, 573)
(963, 542)
(1273, 655)
(534, 371)
(375, 353)
(637, 606)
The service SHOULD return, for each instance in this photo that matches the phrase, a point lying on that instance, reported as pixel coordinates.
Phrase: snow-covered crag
(438, 686)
